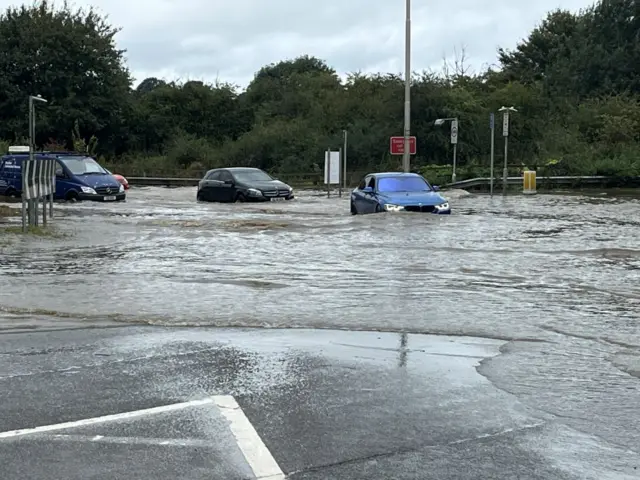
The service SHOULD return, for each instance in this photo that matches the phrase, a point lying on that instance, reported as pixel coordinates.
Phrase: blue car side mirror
(367, 190)
(436, 188)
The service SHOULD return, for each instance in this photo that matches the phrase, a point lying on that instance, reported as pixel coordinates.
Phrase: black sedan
(241, 184)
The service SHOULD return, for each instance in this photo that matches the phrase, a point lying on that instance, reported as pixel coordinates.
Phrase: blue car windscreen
(402, 184)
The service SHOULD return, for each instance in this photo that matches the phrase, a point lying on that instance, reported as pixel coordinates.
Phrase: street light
(505, 133)
(454, 140)
(33, 214)
(406, 154)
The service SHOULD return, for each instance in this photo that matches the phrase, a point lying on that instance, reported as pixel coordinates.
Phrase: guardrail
(543, 181)
(470, 183)
(163, 182)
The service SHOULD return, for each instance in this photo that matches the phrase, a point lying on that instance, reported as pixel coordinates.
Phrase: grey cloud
(231, 40)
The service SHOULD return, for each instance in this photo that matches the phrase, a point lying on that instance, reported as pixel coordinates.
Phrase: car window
(363, 183)
(59, 170)
(214, 175)
(372, 183)
(225, 176)
(403, 184)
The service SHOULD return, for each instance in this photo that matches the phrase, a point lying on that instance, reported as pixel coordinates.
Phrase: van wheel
(72, 196)
(10, 192)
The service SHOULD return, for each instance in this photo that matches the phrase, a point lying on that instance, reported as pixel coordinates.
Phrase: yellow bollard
(529, 182)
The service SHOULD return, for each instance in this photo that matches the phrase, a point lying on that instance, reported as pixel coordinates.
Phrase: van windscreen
(83, 165)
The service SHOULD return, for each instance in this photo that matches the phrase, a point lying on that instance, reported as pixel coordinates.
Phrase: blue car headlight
(443, 207)
(390, 207)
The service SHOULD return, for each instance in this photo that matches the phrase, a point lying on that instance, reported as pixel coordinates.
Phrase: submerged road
(508, 342)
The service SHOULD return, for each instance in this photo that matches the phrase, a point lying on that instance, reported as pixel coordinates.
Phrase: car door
(64, 183)
(210, 186)
(371, 199)
(227, 189)
(359, 195)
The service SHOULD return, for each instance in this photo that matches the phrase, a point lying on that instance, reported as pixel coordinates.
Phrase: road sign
(505, 124)
(331, 168)
(492, 121)
(454, 132)
(396, 145)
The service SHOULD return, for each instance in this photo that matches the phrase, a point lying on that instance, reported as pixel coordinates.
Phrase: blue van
(78, 176)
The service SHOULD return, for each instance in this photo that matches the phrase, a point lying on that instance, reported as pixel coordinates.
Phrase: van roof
(45, 152)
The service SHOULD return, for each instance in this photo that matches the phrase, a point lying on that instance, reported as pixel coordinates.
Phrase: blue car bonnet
(97, 181)
(411, 198)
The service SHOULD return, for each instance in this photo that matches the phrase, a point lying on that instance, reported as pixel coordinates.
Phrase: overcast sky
(231, 39)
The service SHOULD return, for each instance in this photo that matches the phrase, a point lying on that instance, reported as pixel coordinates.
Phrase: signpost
(396, 145)
(331, 169)
(344, 162)
(492, 127)
(454, 142)
(505, 133)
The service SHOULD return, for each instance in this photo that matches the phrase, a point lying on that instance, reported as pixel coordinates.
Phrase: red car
(121, 179)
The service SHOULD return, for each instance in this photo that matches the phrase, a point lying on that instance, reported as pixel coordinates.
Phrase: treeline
(575, 81)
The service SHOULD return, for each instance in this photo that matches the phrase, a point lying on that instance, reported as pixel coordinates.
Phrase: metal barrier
(38, 183)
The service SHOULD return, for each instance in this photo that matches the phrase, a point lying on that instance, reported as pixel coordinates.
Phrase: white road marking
(251, 445)
(107, 418)
(162, 442)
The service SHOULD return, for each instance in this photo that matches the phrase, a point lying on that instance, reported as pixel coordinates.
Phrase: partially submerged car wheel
(379, 208)
(353, 209)
(72, 196)
(241, 198)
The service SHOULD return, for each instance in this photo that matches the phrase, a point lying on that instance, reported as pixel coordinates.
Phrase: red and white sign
(396, 145)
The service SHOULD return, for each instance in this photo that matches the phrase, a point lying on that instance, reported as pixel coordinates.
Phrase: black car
(241, 184)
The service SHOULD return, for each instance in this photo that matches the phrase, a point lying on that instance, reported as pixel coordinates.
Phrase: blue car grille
(418, 208)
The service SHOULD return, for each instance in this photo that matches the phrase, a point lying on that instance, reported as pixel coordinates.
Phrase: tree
(70, 58)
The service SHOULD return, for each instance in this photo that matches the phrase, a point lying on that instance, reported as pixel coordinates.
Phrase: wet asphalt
(327, 404)
(520, 357)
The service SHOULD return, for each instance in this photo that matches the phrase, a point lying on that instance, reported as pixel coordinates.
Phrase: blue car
(397, 192)
(78, 176)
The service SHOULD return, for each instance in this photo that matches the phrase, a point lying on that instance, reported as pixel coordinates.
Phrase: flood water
(560, 273)
(506, 268)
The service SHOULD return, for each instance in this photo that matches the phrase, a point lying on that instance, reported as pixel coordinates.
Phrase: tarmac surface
(168, 403)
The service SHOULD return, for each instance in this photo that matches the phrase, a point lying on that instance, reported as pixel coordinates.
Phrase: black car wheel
(72, 196)
(199, 197)
(241, 198)
(378, 208)
(354, 211)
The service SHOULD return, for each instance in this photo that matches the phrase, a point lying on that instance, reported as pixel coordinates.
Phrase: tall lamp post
(33, 214)
(454, 141)
(406, 155)
(505, 133)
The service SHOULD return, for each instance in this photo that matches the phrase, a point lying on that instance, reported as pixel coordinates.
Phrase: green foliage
(573, 81)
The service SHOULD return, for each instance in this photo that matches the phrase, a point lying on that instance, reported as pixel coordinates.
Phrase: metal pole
(344, 162)
(493, 145)
(455, 154)
(406, 157)
(339, 169)
(25, 210)
(505, 172)
(328, 172)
